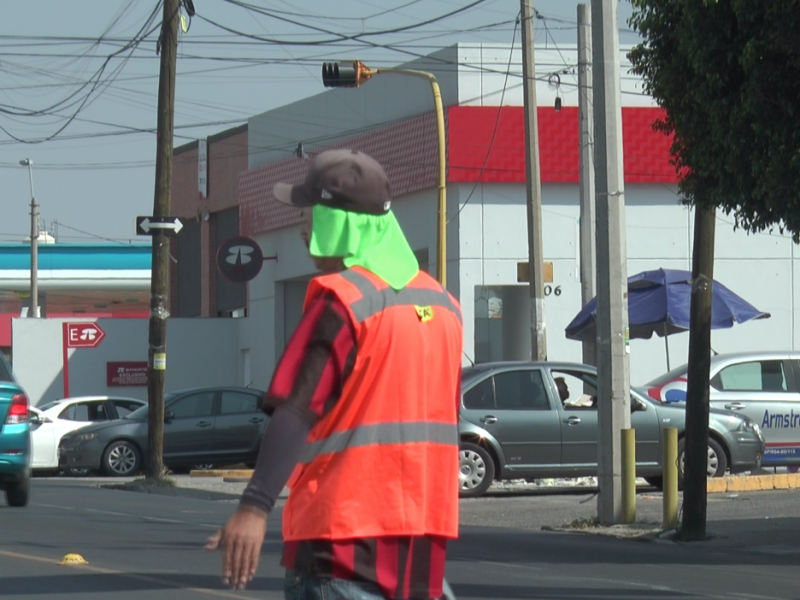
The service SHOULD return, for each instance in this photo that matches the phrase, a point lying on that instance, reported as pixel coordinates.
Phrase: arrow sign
(151, 225)
(83, 335)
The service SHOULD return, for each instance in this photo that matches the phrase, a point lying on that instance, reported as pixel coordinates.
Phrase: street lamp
(352, 74)
(34, 309)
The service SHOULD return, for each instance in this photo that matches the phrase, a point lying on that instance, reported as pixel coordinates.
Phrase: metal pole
(441, 225)
(441, 251)
(34, 277)
(628, 476)
(34, 310)
(533, 188)
(587, 219)
(669, 478)
(612, 299)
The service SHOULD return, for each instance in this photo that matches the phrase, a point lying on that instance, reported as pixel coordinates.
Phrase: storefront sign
(126, 374)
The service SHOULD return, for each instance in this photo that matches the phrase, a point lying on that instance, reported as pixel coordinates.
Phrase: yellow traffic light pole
(356, 74)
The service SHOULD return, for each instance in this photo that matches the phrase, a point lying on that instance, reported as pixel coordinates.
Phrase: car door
(239, 422)
(647, 429)
(189, 427)
(43, 440)
(764, 390)
(578, 418)
(515, 408)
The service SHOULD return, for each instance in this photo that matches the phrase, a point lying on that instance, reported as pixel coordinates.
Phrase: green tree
(727, 72)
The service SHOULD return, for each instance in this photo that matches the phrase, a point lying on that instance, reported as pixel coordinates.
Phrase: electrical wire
(496, 123)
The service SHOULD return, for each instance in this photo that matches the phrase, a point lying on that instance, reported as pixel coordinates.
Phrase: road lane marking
(143, 578)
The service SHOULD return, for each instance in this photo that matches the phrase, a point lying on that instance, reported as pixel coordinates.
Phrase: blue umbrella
(659, 302)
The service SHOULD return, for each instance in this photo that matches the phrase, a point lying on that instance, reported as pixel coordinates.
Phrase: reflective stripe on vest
(373, 300)
(381, 434)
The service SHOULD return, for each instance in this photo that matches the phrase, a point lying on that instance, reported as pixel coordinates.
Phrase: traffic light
(345, 74)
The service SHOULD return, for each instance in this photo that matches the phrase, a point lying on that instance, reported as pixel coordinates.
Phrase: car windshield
(140, 414)
(667, 377)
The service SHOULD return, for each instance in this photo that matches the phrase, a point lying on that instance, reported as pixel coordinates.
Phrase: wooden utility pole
(695, 498)
(586, 125)
(533, 187)
(613, 381)
(159, 284)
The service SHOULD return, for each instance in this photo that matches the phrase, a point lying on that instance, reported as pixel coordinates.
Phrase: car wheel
(121, 459)
(79, 472)
(17, 494)
(475, 470)
(656, 482)
(716, 465)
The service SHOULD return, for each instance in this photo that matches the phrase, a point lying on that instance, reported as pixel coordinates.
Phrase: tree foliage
(727, 73)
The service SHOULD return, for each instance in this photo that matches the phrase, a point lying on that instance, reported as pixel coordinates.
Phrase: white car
(50, 421)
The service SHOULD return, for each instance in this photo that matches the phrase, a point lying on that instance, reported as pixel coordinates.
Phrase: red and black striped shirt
(307, 383)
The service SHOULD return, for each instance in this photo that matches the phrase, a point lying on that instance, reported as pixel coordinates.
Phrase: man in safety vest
(364, 405)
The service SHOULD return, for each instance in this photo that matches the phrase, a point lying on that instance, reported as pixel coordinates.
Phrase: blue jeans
(297, 586)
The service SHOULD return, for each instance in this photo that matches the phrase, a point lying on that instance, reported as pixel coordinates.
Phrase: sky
(79, 83)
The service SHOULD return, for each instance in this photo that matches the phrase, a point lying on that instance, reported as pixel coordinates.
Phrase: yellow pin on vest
(425, 313)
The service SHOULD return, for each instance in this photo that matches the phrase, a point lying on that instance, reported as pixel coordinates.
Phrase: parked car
(50, 421)
(764, 386)
(202, 426)
(15, 438)
(530, 420)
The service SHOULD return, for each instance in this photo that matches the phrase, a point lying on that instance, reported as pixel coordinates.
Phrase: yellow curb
(753, 483)
(73, 559)
(222, 473)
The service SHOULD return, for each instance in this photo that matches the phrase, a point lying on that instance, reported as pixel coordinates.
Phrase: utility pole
(612, 289)
(587, 218)
(34, 309)
(159, 283)
(695, 495)
(533, 188)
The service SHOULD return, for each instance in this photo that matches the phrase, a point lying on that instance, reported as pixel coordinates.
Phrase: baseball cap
(343, 179)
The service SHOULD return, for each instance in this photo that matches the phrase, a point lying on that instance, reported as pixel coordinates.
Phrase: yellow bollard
(670, 478)
(628, 444)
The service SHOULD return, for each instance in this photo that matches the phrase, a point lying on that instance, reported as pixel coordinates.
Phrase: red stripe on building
(408, 152)
(471, 150)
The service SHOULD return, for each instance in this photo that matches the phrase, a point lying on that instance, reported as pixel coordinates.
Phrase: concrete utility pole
(533, 188)
(612, 290)
(695, 493)
(587, 219)
(33, 312)
(159, 284)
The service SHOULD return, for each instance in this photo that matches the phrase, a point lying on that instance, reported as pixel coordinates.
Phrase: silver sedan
(539, 420)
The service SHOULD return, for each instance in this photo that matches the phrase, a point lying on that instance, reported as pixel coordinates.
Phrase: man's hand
(241, 539)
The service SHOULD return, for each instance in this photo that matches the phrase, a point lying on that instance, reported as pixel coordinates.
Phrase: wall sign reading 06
(552, 290)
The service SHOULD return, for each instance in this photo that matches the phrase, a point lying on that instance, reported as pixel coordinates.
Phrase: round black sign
(240, 259)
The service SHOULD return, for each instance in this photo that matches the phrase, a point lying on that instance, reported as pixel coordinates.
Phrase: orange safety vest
(384, 461)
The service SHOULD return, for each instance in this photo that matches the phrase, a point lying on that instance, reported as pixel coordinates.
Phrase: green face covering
(373, 242)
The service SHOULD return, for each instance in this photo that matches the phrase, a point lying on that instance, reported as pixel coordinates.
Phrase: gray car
(202, 427)
(765, 386)
(525, 420)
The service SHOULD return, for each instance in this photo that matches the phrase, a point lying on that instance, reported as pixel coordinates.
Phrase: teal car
(15, 438)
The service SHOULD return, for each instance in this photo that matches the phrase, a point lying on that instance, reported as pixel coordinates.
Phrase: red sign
(83, 335)
(126, 374)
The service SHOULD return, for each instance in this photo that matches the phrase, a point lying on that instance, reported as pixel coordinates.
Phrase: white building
(391, 118)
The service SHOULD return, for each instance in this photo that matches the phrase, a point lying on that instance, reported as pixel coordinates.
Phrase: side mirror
(168, 415)
(35, 419)
(637, 405)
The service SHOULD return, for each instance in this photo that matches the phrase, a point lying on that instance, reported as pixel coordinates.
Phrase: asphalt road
(149, 546)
